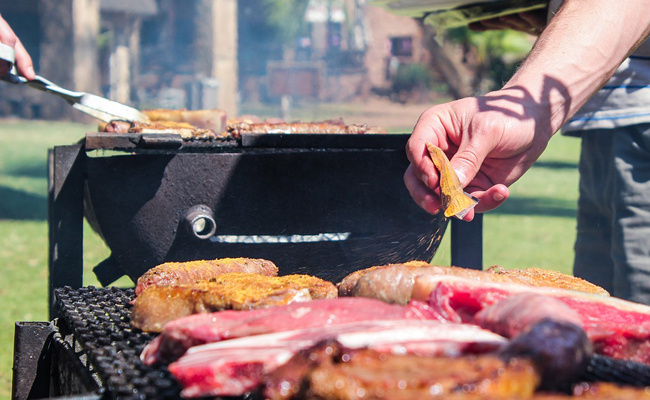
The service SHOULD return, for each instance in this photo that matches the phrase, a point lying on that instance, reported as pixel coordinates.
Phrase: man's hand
(491, 141)
(23, 60)
(531, 22)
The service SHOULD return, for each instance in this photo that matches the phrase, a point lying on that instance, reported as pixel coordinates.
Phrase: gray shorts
(612, 247)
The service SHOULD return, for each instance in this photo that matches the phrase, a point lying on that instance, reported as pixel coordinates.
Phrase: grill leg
(31, 376)
(65, 208)
(467, 243)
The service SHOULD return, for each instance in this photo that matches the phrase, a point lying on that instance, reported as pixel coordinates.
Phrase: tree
(287, 16)
(471, 62)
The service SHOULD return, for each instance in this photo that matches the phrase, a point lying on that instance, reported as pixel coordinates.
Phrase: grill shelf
(606, 369)
(99, 320)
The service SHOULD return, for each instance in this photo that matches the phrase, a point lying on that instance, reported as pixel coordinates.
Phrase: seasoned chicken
(178, 273)
(159, 304)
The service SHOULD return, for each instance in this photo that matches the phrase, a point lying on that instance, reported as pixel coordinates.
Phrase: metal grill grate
(99, 319)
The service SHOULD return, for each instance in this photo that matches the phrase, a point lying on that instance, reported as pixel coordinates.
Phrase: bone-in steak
(331, 371)
(233, 367)
(181, 334)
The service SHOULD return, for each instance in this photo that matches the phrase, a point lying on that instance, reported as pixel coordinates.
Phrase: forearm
(576, 54)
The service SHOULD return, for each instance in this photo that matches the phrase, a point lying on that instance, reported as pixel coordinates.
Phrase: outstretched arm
(494, 139)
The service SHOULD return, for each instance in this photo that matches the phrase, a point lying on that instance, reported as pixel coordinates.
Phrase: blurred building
(203, 53)
(347, 48)
(164, 53)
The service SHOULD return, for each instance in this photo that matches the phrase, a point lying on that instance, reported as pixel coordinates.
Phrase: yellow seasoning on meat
(455, 201)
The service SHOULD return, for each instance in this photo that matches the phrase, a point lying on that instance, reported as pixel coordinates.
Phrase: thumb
(467, 161)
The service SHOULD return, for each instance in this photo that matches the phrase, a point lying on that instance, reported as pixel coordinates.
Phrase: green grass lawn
(534, 228)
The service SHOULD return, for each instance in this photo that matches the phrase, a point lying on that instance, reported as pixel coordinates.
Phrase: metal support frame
(45, 366)
(32, 358)
(467, 243)
(66, 172)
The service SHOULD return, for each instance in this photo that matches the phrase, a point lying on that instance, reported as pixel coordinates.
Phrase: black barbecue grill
(319, 204)
(90, 351)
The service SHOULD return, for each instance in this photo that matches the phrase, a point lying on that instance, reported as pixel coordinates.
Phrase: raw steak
(183, 333)
(617, 328)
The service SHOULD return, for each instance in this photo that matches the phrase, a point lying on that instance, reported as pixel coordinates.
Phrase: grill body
(324, 205)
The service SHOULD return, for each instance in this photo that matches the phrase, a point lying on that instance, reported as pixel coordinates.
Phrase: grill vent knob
(199, 220)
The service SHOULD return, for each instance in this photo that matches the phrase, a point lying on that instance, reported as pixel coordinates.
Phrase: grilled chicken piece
(184, 129)
(542, 277)
(332, 372)
(159, 304)
(178, 273)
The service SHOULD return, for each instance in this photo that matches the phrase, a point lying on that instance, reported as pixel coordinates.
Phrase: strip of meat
(239, 128)
(178, 273)
(394, 282)
(519, 312)
(181, 334)
(215, 369)
(187, 131)
(158, 305)
(214, 120)
(342, 373)
(617, 328)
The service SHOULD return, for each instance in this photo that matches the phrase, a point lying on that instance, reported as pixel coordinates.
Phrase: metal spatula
(95, 106)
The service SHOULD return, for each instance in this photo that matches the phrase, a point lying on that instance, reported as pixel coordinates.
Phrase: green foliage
(411, 76)
(287, 16)
(495, 53)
